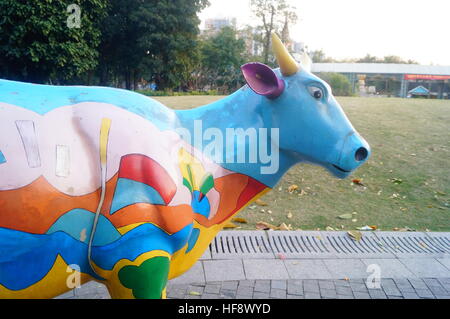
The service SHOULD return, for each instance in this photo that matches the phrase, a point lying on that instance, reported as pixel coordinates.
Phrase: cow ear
(263, 80)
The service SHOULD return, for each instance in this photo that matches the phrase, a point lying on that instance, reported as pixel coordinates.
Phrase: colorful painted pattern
(148, 205)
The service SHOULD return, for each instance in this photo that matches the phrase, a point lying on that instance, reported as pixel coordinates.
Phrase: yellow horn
(287, 64)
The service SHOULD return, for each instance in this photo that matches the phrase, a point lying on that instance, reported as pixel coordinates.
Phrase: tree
(221, 58)
(339, 83)
(368, 59)
(318, 56)
(38, 45)
(387, 59)
(273, 14)
(155, 39)
(397, 59)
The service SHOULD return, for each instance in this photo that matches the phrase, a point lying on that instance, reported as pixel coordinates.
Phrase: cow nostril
(361, 154)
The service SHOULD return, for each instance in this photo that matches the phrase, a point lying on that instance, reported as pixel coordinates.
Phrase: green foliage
(155, 39)
(387, 59)
(318, 56)
(36, 44)
(221, 58)
(339, 83)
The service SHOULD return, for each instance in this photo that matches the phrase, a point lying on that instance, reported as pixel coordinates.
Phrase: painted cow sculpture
(105, 183)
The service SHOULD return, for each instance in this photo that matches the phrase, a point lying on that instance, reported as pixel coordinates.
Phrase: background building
(214, 25)
(391, 79)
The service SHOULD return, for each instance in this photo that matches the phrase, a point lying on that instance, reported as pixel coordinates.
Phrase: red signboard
(426, 77)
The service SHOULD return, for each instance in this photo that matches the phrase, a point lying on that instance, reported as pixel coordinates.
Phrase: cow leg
(144, 281)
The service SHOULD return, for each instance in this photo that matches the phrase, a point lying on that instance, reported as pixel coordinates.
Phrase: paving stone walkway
(426, 288)
(420, 269)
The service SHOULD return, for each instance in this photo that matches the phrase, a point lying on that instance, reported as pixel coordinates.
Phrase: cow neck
(243, 109)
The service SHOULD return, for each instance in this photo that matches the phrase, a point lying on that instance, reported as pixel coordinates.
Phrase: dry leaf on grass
(260, 202)
(265, 226)
(302, 193)
(358, 181)
(230, 225)
(293, 188)
(346, 216)
(283, 226)
(240, 220)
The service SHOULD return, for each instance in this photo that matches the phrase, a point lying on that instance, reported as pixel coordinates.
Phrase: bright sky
(411, 29)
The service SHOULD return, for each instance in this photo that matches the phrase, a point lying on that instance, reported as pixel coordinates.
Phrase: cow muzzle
(354, 153)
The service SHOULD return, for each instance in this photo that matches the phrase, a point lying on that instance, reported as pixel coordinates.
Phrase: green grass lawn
(406, 181)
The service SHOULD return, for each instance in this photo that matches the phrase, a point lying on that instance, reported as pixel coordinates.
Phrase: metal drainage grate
(259, 244)
(239, 244)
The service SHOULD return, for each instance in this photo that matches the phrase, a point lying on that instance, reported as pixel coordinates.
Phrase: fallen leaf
(329, 228)
(358, 181)
(194, 293)
(354, 220)
(355, 235)
(293, 188)
(289, 215)
(283, 226)
(260, 202)
(265, 226)
(346, 216)
(240, 220)
(230, 225)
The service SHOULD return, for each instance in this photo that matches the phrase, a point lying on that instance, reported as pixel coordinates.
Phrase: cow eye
(316, 92)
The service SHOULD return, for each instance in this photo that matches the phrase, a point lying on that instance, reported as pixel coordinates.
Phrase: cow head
(313, 127)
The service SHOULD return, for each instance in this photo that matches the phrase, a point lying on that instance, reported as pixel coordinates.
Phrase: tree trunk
(127, 79)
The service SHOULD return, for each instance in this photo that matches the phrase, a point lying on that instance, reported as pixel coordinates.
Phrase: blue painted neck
(242, 110)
